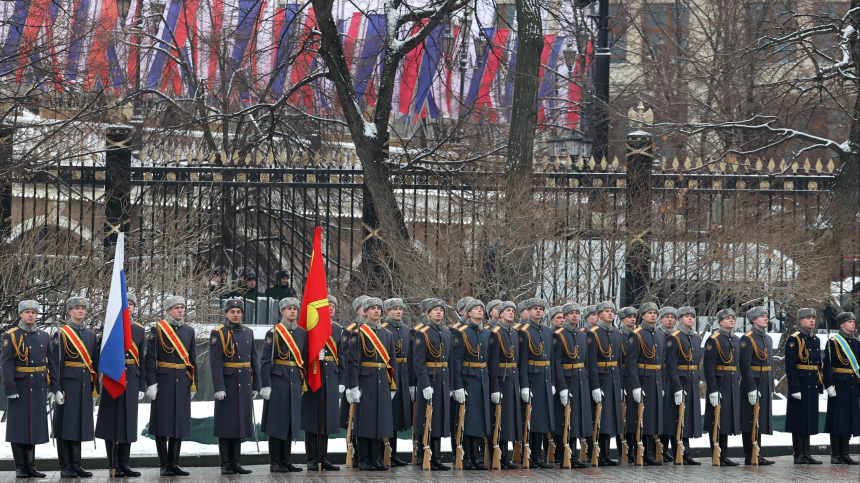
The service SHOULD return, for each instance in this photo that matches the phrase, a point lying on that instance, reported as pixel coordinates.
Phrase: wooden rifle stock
(386, 460)
(428, 422)
(595, 451)
(526, 448)
(496, 462)
(659, 445)
(349, 447)
(679, 452)
(414, 438)
(639, 447)
(458, 454)
(715, 435)
(624, 448)
(583, 449)
(550, 457)
(518, 452)
(565, 462)
(754, 435)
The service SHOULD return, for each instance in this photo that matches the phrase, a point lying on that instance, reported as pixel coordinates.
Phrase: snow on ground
(146, 446)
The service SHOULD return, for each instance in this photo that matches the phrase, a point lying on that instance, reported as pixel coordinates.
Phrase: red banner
(315, 316)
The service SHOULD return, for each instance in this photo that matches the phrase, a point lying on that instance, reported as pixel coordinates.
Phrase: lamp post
(464, 59)
(602, 56)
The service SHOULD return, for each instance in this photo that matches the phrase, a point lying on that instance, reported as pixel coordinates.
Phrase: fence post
(637, 258)
(118, 146)
(6, 138)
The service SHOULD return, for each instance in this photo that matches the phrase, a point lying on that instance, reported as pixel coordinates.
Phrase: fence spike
(831, 167)
(603, 163)
(270, 158)
(806, 166)
(580, 163)
(591, 163)
(818, 166)
(687, 163)
(615, 163)
(771, 166)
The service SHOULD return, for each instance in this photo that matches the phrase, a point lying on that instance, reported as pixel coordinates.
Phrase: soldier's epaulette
(351, 326)
(139, 325)
(715, 335)
(517, 326)
(496, 329)
(463, 328)
(593, 329)
(637, 330)
(13, 329)
(419, 325)
(582, 329)
(795, 334)
(219, 327)
(559, 331)
(487, 326)
(424, 329)
(749, 334)
(385, 324)
(676, 332)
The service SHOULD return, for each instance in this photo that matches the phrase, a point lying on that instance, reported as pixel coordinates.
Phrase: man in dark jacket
(604, 377)
(756, 366)
(236, 380)
(570, 351)
(842, 379)
(720, 366)
(803, 366)
(503, 358)
(282, 288)
(536, 381)
(643, 362)
(472, 381)
(683, 351)
(402, 402)
(247, 286)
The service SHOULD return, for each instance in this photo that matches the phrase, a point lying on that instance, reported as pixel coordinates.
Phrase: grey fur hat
(754, 312)
(371, 302)
(604, 306)
(507, 304)
(393, 304)
(461, 304)
(84, 302)
(425, 303)
(131, 298)
(535, 302)
(234, 304)
(522, 305)
(647, 307)
(28, 305)
(845, 317)
(626, 312)
(804, 313)
(492, 304)
(472, 304)
(356, 304)
(289, 302)
(722, 314)
(667, 310)
(588, 310)
(433, 303)
(685, 310)
(332, 300)
(571, 307)
(172, 301)
(553, 311)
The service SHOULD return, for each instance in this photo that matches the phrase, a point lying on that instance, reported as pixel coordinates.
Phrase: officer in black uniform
(27, 382)
(604, 377)
(537, 385)
(720, 365)
(77, 351)
(402, 402)
(803, 371)
(842, 379)
(643, 363)
(432, 349)
(681, 357)
(126, 403)
(667, 319)
(570, 351)
(503, 357)
(627, 317)
(236, 380)
(756, 366)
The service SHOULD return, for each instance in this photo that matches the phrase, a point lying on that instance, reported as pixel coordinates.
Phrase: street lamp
(600, 13)
(448, 42)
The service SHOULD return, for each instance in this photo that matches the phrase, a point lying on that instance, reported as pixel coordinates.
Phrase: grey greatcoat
(604, 372)
(126, 403)
(333, 376)
(279, 370)
(536, 355)
(73, 420)
(401, 405)
(366, 369)
(25, 351)
(570, 351)
(632, 415)
(432, 349)
(170, 413)
(720, 364)
(344, 346)
(503, 356)
(756, 366)
(643, 363)
(668, 399)
(843, 412)
(681, 360)
(802, 366)
(236, 371)
(471, 344)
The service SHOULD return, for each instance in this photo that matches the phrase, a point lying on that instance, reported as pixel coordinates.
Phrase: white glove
(254, 394)
(563, 396)
(60, 398)
(50, 398)
(496, 397)
(831, 391)
(322, 354)
(679, 397)
(356, 395)
(460, 396)
(349, 397)
(553, 390)
(714, 398)
(597, 395)
(220, 395)
(140, 395)
(623, 394)
(341, 388)
(796, 395)
(427, 393)
(525, 395)
(13, 396)
(266, 392)
(393, 393)
(662, 393)
(753, 397)
(637, 395)
(412, 390)
(450, 393)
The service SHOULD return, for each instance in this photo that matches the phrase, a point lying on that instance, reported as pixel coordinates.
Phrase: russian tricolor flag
(116, 339)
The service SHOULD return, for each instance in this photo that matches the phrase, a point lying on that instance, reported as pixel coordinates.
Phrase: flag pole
(320, 408)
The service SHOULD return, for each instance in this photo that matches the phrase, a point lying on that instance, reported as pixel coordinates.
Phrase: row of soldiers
(540, 387)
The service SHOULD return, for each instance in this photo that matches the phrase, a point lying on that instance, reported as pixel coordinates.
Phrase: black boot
(275, 456)
(18, 454)
(797, 449)
(688, 457)
(746, 439)
(311, 450)
(724, 451)
(665, 441)
(173, 448)
(236, 457)
(843, 445)
(64, 455)
(286, 456)
(395, 461)
(76, 460)
(163, 456)
(378, 448)
(30, 460)
(504, 457)
(436, 455)
(326, 465)
(123, 451)
(467, 457)
(477, 454)
(807, 451)
(113, 460)
(603, 458)
(224, 454)
(650, 447)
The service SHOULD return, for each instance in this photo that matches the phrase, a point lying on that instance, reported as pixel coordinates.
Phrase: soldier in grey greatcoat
(803, 366)
(73, 415)
(402, 402)
(537, 386)
(720, 366)
(570, 351)
(283, 381)
(126, 403)
(667, 319)
(756, 366)
(683, 351)
(503, 357)
(604, 377)
(627, 317)
(236, 380)
(171, 376)
(492, 313)
(643, 363)
(29, 377)
(842, 379)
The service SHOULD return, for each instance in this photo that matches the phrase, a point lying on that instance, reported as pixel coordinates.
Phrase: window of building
(830, 13)
(618, 24)
(666, 26)
(506, 15)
